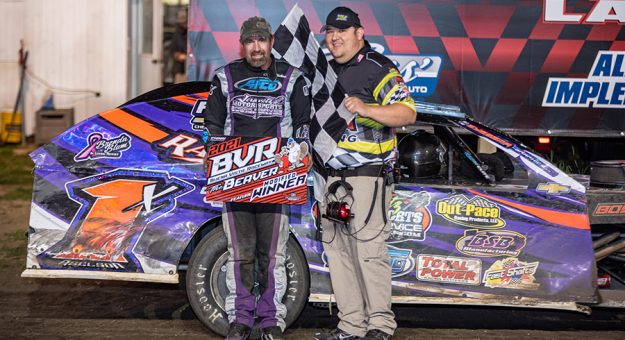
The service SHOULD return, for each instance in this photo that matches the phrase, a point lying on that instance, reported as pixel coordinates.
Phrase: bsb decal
(491, 243)
(115, 208)
(100, 147)
(259, 170)
(410, 218)
(604, 86)
(473, 212)
(449, 269)
(512, 274)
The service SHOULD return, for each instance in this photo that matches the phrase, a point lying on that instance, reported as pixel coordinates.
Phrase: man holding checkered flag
(359, 98)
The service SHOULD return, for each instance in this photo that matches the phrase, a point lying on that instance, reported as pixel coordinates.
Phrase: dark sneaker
(238, 331)
(376, 334)
(272, 333)
(335, 334)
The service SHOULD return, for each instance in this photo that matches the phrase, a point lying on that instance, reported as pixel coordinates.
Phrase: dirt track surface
(82, 309)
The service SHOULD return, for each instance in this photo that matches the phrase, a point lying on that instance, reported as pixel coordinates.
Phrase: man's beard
(257, 62)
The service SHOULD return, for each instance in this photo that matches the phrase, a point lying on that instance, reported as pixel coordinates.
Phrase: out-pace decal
(99, 146)
(115, 208)
(604, 87)
(472, 212)
(511, 273)
(410, 218)
(553, 188)
(490, 243)
(258, 170)
(402, 262)
(449, 269)
(197, 115)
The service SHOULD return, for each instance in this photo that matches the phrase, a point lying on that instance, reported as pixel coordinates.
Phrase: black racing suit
(249, 101)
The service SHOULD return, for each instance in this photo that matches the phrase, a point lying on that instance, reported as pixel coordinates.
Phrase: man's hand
(356, 105)
(393, 115)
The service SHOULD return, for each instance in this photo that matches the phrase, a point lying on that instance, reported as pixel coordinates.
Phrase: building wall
(77, 49)
(11, 19)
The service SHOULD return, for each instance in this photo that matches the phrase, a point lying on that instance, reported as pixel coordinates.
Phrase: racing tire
(206, 282)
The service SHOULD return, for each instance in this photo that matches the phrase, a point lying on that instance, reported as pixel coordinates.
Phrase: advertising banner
(523, 66)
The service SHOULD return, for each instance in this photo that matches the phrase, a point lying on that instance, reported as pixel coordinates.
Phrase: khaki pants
(359, 263)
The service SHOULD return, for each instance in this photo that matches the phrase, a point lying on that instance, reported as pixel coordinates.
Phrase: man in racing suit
(257, 96)
(362, 164)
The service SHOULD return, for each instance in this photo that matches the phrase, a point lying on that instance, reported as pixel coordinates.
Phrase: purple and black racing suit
(248, 101)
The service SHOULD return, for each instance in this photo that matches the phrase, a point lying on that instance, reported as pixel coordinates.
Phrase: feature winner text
(279, 184)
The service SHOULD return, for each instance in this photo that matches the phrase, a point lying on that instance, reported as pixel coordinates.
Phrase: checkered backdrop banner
(498, 55)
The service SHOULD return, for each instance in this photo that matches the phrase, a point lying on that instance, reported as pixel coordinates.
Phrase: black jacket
(248, 101)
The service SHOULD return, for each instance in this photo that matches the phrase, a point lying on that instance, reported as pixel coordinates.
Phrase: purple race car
(120, 196)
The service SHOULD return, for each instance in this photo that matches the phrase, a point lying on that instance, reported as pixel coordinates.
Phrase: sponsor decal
(180, 146)
(115, 208)
(402, 262)
(511, 273)
(257, 106)
(197, 115)
(609, 209)
(491, 243)
(98, 146)
(603, 11)
(410, 218)
(473, 212)
(90, 264)
(449, 269)
(541, 165)
(260, 170)
(604, 87)
(257, 84)
(500, 141)
(553, 188)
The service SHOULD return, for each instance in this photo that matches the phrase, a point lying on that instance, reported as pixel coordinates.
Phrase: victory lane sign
(257, 169)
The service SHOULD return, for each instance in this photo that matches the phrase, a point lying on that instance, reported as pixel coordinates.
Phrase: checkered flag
(296, 44)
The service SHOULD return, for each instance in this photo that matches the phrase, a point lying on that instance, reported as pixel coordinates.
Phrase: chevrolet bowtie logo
(553, 188)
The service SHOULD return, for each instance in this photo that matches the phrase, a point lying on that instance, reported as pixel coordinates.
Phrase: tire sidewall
(202, 266)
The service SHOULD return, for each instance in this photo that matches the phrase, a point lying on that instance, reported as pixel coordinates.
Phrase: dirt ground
(83, 309)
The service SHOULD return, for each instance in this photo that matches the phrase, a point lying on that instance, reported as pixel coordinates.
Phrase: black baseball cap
(341, 17)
